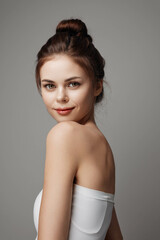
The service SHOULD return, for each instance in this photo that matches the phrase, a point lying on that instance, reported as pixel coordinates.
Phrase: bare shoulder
(67, 128)
(61, 153)
(65, 135)
(78, 138)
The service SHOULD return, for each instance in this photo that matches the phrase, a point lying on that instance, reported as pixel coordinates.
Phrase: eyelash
(53, 84)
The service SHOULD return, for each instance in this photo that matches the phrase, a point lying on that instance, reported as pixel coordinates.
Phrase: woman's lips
(64, 111)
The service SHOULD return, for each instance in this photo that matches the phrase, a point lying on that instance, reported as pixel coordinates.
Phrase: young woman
(77, 199)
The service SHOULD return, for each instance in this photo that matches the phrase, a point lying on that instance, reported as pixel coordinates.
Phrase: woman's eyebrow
(66, 80)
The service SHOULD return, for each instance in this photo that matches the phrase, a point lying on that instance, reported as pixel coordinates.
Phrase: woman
(77, 200)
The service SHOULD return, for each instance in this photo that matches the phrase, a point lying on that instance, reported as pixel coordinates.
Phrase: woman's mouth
(64, 111)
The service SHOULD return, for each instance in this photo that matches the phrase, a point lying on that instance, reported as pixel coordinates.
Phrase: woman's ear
(98, 87)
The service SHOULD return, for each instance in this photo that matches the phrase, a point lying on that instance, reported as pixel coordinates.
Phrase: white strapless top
(90, 215)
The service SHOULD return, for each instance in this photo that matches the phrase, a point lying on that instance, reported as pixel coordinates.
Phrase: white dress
(90, 215)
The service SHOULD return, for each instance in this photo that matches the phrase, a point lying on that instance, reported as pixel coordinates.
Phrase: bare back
(96, 168)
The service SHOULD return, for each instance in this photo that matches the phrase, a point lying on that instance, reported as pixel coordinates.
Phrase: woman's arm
(60, 169)
(114, 232)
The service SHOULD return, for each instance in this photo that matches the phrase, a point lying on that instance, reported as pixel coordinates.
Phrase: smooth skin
(76, 150)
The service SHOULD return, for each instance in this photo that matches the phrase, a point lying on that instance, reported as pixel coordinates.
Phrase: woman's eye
(46, 86)
(51, 86)
(75, 83)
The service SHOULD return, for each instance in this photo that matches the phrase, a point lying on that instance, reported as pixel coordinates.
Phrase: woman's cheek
(87, 97)
(47, 98)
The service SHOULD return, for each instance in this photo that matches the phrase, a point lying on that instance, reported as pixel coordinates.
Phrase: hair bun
(75, 27)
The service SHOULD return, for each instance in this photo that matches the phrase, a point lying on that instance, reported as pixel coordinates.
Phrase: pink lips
(64, 111)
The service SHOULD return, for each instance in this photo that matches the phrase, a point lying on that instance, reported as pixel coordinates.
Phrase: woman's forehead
(61, 66)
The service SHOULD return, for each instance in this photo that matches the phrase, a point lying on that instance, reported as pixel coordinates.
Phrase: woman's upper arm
(59, 172)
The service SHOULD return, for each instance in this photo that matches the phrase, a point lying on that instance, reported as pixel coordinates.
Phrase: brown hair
(72, 39)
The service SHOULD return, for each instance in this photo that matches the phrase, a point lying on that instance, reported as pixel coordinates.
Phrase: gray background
(127, 33)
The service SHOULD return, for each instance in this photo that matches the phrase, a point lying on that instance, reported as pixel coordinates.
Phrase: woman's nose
(61, 95)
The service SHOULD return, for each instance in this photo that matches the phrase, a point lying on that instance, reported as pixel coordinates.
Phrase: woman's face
(64, 84)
